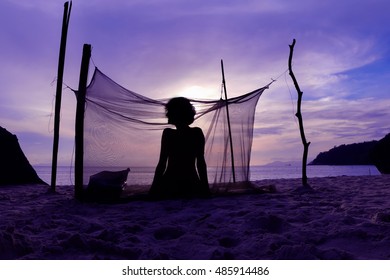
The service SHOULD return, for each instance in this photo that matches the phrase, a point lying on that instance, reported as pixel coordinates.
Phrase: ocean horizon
(144, 175)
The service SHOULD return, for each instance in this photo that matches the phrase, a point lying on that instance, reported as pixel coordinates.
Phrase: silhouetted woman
(181, 169)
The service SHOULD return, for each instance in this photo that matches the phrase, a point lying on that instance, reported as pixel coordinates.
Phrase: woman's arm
(201, 162)
(202, 170)
(162, 162)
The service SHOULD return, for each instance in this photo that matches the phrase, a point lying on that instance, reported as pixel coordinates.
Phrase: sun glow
(198, 92)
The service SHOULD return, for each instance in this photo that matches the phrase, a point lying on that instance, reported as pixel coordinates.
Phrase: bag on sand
(107, 185)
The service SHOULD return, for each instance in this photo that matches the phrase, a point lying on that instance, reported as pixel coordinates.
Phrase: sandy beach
(345, 217)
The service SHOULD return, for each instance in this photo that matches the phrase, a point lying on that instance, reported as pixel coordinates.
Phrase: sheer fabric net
(123, 129)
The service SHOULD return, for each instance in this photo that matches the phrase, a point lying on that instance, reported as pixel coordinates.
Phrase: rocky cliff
(15, 168)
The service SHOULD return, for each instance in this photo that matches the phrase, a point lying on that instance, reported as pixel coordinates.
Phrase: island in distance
(367, 153)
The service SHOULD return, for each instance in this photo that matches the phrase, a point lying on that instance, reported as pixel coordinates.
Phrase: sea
(144, 175)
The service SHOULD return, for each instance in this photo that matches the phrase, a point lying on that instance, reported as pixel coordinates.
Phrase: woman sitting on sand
(181, 169)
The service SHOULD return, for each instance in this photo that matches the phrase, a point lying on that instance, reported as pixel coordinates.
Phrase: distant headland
(347, 154)
(367, 153)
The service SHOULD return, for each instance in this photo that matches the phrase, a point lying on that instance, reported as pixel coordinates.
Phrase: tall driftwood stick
(61, 65)
(299, 116)
(79, 129)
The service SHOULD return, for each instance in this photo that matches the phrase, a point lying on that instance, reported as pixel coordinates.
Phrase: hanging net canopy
(122, 129)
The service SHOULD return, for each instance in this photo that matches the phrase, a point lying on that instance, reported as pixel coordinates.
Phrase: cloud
(164, 48)
(327, 122)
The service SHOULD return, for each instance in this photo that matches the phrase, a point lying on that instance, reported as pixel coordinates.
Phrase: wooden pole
(60, 74)
(228, 121)
(299, 116)
(79, 129)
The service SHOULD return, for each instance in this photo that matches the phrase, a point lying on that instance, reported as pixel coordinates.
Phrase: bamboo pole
(299, 116)
(228, 121)
(60, 74)
(79, 129)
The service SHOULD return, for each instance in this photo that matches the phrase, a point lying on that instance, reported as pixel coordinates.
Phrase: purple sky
(163, 48)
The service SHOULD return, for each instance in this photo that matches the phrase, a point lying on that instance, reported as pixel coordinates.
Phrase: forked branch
(299, 116)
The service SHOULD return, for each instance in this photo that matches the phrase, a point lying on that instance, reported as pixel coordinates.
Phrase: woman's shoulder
(168, 131)
(197, 131)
